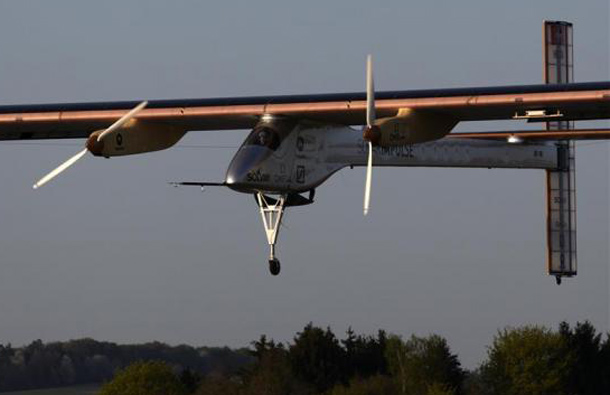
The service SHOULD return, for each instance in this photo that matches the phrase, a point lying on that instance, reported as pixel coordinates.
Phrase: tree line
(524, 360)
(86, 361)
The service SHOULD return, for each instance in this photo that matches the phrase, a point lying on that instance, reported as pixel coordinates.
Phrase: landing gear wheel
(274, 267)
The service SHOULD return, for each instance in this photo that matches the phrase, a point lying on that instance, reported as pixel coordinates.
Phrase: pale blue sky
(109, 251)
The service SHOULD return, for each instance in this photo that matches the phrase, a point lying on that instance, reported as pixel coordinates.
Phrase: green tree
(585, 346)
(473, 383)
(439, 389)
(373, 385)
(190, 380)
(422, 362)
(145, 378)
(317, 358)
(272, 373)
(530, 360)
(364, 355)
(218, 385)
(605, 366)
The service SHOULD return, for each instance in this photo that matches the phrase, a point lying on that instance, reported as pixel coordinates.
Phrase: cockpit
(269, 134)
(262, 142)
(263, 136)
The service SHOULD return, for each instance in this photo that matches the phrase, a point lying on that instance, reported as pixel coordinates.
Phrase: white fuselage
(309, 153)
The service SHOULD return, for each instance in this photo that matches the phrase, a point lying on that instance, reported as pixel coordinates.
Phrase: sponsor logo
(306, 143)
(300, 176)
(119, 142)
(258, 176)
(400, 151)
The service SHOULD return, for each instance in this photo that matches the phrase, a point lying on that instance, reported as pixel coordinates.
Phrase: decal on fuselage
(119, 142)
(258, 176)
(306, 143)
(300, 175)
(398, 151)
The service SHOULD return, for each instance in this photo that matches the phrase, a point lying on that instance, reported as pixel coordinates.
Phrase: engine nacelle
(134, 138)
(412, 126)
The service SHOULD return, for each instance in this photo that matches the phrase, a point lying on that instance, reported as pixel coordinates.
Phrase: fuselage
(282, 156)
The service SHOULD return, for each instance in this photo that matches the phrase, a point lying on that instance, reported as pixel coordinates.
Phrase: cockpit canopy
(263, 136)
(269, 134)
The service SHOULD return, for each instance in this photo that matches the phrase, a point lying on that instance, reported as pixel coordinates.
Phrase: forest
(524, 360)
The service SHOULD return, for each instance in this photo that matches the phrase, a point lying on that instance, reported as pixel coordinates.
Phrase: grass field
(78, 390)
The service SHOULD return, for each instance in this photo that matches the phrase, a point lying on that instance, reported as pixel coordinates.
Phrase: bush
(145, 378)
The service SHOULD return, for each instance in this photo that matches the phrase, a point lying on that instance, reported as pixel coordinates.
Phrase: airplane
(297, 142)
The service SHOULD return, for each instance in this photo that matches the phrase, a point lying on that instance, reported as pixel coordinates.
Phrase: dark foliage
(317, 357)
(318, 361)
(190, 380)
(373, 385)
(272, 373)
(590, 372)
(573, 360)
(364, 355)
(84, 361)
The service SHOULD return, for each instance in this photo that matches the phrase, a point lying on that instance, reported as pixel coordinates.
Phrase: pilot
(263, 137)
(267, 138)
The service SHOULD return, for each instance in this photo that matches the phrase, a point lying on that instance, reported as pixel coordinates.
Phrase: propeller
(371, 132)
(120, 122)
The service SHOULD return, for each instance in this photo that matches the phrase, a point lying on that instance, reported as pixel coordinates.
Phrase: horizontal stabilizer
(566, 134)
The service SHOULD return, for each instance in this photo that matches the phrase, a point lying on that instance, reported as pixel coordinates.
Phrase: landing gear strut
(272, 212)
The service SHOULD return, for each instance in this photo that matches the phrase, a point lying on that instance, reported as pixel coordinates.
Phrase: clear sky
(109, 251)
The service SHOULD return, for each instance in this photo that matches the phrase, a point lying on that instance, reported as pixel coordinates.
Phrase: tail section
(560, 182)
(561, 214)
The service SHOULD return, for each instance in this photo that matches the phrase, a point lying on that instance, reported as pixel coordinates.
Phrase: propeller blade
(369, 176)
(120, 122)
(370, 121)
(370, 92)
(123, 120)
(59, 169)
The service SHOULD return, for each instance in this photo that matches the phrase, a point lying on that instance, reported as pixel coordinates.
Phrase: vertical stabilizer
(560, 183)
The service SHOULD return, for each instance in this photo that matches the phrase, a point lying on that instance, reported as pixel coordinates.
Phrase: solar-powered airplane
(298, 142)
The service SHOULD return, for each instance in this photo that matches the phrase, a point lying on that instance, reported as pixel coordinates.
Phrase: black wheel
(274, 267)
